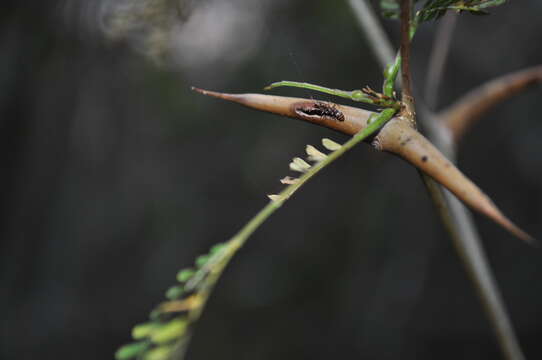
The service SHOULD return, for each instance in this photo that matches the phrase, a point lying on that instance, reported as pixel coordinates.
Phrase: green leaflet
(169, 322)
(435, 9)
(132, 350)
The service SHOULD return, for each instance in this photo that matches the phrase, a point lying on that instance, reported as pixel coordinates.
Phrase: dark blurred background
(115, 175)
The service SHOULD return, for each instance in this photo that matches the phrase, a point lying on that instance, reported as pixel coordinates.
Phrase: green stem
(354, 95)
(390, 75)
(392, 70)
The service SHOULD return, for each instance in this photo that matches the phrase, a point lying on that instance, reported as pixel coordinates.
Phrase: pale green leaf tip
(301, 162)
(330, 144)
(314, 154)
(217, 248)
(202, 260)
(170, 331)
(299, 165)
(174, 292)
(271, 86)
(289, 180)
(144, 330)
(130, 351)
(159, 353)
(295, 167)
(185, 275)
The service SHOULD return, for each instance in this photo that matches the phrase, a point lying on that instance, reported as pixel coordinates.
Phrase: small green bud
(217, 248)
(132, 350)
(170, 331)
(159, 353)
(387, 71)
(202, 260)
(174, 292)
(358, 95)
(155, 314)
(144, 330)
(185, 275)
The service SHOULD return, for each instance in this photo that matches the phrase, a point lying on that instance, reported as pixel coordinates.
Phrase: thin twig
(459, 116)
(468, 245)
(459, 224)
(407, 98)
(378, 40)
(437, 59)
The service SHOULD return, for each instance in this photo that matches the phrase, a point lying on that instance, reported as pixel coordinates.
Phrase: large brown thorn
(398, 137)
(459, 116)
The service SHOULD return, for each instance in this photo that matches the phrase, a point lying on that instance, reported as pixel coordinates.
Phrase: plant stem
(374, 32)
(459, 116)
(367, 95)
(406, 94)
(390, 75)
(437, 59)
(458, 223)
(355, 95)
(379, 42)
